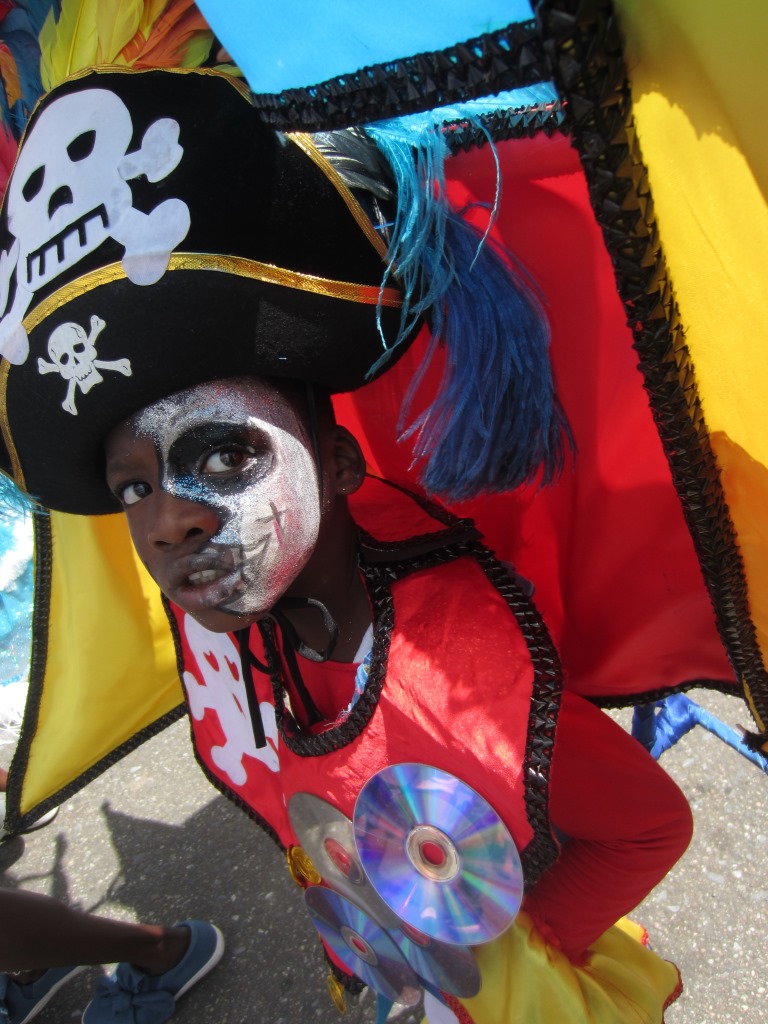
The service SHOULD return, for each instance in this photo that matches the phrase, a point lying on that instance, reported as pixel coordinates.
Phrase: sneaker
(23, 1002)
(131, 996)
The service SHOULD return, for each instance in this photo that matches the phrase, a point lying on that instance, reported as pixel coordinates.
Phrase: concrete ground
(151, 840)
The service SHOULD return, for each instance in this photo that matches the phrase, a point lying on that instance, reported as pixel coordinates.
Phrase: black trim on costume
(652, 696)
(15, 821)
(456, 529)
(503, 125)
(547, 691)
(494, 62)
(585, 52)
(304, 744)
(246, 670)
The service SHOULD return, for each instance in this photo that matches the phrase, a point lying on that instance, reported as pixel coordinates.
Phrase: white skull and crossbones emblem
(69, 192)
(73, 355)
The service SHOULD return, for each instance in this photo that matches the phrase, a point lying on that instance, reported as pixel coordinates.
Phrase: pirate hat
(154, 235)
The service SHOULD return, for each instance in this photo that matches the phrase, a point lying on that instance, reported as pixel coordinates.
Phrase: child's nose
(178, 519)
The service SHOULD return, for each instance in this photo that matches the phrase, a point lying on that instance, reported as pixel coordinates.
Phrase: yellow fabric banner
(106, 617)
(698, 82)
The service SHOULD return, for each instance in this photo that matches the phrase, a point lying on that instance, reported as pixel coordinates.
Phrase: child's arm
(627, 821)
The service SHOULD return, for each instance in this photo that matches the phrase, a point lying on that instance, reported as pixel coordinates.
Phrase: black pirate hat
(156, 234)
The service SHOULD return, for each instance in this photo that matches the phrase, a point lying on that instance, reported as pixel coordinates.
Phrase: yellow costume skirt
(527, 981)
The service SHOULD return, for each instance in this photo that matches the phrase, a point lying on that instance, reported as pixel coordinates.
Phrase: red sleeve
(626, 820)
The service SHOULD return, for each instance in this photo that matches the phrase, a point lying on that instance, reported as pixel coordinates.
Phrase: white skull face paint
(239, 448)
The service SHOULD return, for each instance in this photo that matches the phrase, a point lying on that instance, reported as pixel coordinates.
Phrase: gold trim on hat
(237, 265)
(368, 295)
(5, 427)
(307, 144)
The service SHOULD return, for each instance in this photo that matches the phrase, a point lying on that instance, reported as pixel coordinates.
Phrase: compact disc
(327, 836)
(449, 968)
(438, 854)
(362, 945)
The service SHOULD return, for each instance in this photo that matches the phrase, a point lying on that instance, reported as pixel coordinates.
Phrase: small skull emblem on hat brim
(73, 354)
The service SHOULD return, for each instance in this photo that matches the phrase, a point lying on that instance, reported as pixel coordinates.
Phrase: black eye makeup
(222, 450)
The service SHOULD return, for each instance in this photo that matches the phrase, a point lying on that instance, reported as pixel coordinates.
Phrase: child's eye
(130, 494)
(223, 460)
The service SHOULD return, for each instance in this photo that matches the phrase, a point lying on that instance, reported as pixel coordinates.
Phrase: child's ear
(348, 462)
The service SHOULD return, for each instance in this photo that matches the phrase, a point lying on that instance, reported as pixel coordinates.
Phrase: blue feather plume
(20, 31)
(496, 422)
(14, 501)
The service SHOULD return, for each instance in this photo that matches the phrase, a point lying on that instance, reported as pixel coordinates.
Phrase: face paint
(239, 448)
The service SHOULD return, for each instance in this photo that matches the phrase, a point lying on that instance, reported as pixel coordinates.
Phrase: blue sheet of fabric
(15, 597)
(659, 726)
(299, 43)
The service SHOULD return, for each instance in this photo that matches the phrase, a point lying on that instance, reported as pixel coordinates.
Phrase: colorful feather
(19, 30)
(69, 44)
(116, 24)
(13, 501)
(10, 75)
(35, 12)
(496, 422)
(152, 9)
(180, 37)
(8, 149)
(135, 33)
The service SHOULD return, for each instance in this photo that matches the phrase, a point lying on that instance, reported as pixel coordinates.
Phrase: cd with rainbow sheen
(362, 945)
(438, 854)
(327, 836)
(441, 965)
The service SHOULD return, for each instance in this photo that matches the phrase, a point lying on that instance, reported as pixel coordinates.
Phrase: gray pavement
(151, 840)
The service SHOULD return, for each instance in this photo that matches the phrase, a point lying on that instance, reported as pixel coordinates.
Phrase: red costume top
(466, 680)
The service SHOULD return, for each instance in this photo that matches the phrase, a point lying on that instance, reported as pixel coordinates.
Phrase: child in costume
(185, 289)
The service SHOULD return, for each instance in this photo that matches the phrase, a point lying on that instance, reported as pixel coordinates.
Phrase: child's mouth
(206, 580)
(209, 588)
(203, 576)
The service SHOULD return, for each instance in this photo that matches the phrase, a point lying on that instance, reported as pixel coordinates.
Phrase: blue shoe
(23, 1002)
(130, 996)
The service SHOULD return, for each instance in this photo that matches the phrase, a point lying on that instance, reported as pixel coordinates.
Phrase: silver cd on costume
(449, 968)
(362, 945)
(326, 835)
(438, 854)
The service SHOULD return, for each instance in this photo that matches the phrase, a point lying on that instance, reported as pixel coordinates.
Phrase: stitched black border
(494, 62)
(305, 745)
(632, 700)
(456, 529)
(584, 49)
(15, 821)
(547, 690)
(502, 125)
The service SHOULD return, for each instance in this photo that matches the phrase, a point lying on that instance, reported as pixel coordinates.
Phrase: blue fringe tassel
(496, 423)
(13, 501)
